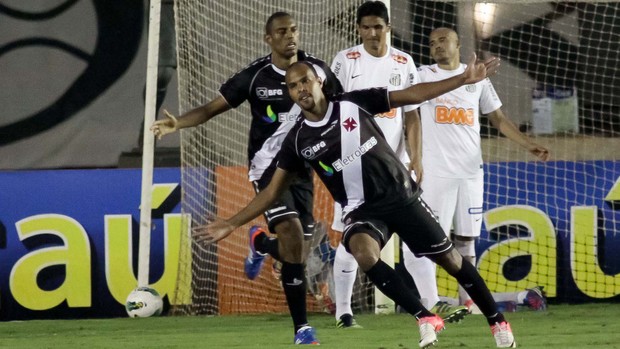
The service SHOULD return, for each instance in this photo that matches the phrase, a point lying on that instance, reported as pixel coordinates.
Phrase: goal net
(551, 224)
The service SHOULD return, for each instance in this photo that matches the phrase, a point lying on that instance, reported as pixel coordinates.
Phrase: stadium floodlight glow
(484, 16)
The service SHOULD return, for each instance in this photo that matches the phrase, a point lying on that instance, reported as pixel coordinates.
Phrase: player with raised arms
(378, 195)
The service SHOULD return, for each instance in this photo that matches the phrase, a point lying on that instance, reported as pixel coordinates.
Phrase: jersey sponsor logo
(271, 117)
(354, 55)
(286, 117)
(387, 115)
(470, 88)
(265, 93)
(340, 164)
(310, 152)
(328, 171)
(349, 124)
(354, 76)
(395, 79)
(457, 116)
(400, 59)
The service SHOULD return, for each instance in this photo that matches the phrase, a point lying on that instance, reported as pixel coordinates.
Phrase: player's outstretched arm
(220, 229)
(418, 93)
(192, 118)
(500, 121)
(413, 132)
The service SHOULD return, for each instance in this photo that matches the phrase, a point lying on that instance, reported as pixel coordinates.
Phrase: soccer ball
(144, 302)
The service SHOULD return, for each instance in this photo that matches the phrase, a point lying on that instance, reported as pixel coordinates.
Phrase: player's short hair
(273, 17)
(373, 8)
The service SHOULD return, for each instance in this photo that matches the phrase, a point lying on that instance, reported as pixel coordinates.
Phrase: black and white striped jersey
(273, 112)
(348, 152)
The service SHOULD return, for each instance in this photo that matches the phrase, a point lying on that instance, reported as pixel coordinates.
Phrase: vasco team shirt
(357, 69)
(451, 126)
(350, 155)
(273, 112)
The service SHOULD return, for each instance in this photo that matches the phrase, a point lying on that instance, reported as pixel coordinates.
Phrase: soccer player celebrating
(342, 143)
(376, 64)
(452, 160)
(273, 114)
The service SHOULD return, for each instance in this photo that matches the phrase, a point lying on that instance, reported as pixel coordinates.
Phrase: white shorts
(457, 202)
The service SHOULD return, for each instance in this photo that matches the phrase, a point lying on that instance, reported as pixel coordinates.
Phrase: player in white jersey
(376, 64)
(452, 158)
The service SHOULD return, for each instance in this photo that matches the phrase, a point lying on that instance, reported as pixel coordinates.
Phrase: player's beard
(307, 104)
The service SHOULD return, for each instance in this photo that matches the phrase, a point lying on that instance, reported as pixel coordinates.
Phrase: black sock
(294, 284)
(472, 282)
(265, 244)
(388, 282)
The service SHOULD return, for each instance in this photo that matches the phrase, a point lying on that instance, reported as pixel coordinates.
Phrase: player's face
(283, 37)
(303, 86)
(444, 46)
(373, 31)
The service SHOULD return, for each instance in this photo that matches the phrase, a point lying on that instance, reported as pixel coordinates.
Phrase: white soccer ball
(144, 302)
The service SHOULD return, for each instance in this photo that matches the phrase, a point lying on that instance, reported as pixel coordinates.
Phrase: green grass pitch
(562, 326)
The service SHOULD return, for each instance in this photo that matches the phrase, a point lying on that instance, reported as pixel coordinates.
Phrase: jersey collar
(301, 56)
(323, 122)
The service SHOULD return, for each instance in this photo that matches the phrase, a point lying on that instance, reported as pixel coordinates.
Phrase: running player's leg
(364, 239)
(467, 222)
(345, 272)
(291, 227)
(425, 237)
(293, 235)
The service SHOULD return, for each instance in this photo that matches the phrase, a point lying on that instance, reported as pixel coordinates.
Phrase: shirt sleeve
(412, 79)
(489, 101)
(372, 100)
(287, 158)
(236, 89)
(331, 83)
(339, 68)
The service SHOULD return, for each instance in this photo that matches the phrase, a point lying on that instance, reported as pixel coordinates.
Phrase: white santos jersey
(357, 69)
(451, 125)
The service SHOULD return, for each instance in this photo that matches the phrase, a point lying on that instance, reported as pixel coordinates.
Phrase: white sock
(424, 274)
(345, 271)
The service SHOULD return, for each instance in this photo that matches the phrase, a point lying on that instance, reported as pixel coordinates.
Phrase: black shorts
(414, 223)
(296, 202)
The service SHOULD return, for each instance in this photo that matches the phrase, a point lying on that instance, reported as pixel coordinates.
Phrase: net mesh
(553, 224)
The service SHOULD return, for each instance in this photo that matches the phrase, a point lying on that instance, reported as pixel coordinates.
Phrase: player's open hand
(164, 126)
(477, 71)
(212, 232)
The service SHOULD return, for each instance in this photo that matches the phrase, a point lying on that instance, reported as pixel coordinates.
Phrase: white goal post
(148, 148)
